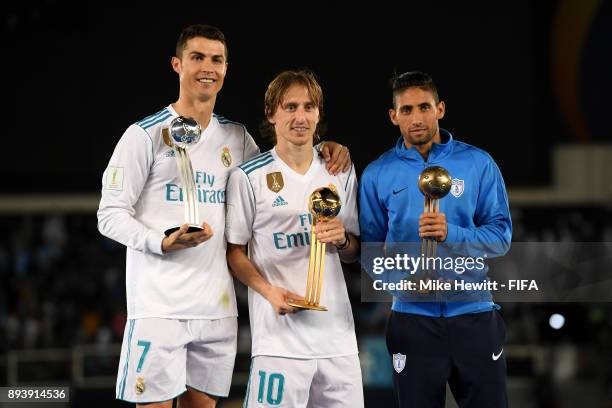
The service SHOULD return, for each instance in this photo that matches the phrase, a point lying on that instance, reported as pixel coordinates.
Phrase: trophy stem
(427, 246)
(317, 271)
(436, 208)
(424, 241)
(181, 168)
(193, 203)
(186, 187)
(431, 250)
(311, 266)
(188, 184)
(321, 270)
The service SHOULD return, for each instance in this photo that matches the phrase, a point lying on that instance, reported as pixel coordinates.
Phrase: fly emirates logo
(288, 240)
(205, 191)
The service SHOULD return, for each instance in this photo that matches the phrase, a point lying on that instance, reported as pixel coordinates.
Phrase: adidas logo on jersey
(279, 201)
(169, 153)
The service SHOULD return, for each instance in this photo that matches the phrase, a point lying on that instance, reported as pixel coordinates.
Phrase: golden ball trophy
(323, 204)
(434, 183)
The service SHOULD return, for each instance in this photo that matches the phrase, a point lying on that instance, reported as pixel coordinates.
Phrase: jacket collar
(438, 151)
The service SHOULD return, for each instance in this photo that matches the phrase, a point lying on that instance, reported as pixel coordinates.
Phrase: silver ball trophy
(183, 132)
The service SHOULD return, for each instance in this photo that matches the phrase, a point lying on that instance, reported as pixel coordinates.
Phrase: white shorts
(160, 357)
(289, 382)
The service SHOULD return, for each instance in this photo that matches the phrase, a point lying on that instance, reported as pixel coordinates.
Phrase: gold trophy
(434, 183)
(323, 204)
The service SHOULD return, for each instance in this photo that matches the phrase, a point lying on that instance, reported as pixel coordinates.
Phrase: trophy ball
(435, 182)
(324, 203)
(185, 131)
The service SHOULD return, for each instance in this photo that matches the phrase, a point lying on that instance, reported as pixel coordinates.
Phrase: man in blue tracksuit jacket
(435, 342)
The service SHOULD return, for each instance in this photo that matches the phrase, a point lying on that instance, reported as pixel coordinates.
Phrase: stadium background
(526, 81)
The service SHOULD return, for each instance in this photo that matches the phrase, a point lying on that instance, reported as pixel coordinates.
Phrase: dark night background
(76, 75)
(527, 81)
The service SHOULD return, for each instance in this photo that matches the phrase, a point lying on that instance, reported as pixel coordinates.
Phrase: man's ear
(441, 110)
(393, 116)
(269, 116)
(176, 65)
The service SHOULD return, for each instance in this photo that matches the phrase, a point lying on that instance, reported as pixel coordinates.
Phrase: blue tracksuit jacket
(477, 214)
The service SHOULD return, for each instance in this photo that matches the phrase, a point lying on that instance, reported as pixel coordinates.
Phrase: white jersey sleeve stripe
(255, 160)
(145, 122)
(255, 167)
(156, 121)
(151, 117)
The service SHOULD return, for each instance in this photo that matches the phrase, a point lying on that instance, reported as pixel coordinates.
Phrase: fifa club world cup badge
(140, 385)
(275, 181)
(226, 157)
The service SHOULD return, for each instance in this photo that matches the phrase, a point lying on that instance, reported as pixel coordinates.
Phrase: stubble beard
(422, 141)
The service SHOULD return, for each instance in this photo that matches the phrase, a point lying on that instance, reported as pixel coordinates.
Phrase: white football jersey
(267, 207)
(142, 196)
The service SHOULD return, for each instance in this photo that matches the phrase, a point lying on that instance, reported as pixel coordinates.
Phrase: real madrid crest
(226, 157)
(140, 385)
(275, 181)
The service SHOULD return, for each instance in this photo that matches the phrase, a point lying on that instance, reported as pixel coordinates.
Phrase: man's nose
(300, 114)
(417, 119)
(207, 65)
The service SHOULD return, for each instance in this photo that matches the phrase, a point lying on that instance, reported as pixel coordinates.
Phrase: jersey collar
(438, 152)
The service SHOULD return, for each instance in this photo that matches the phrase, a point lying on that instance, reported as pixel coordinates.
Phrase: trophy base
(301, 304)
(192, 228)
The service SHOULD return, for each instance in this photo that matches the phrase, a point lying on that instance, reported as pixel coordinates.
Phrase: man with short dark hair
(439, 340)
(180, 338)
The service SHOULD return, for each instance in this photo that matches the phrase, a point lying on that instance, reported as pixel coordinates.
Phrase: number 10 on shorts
(276, 382)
